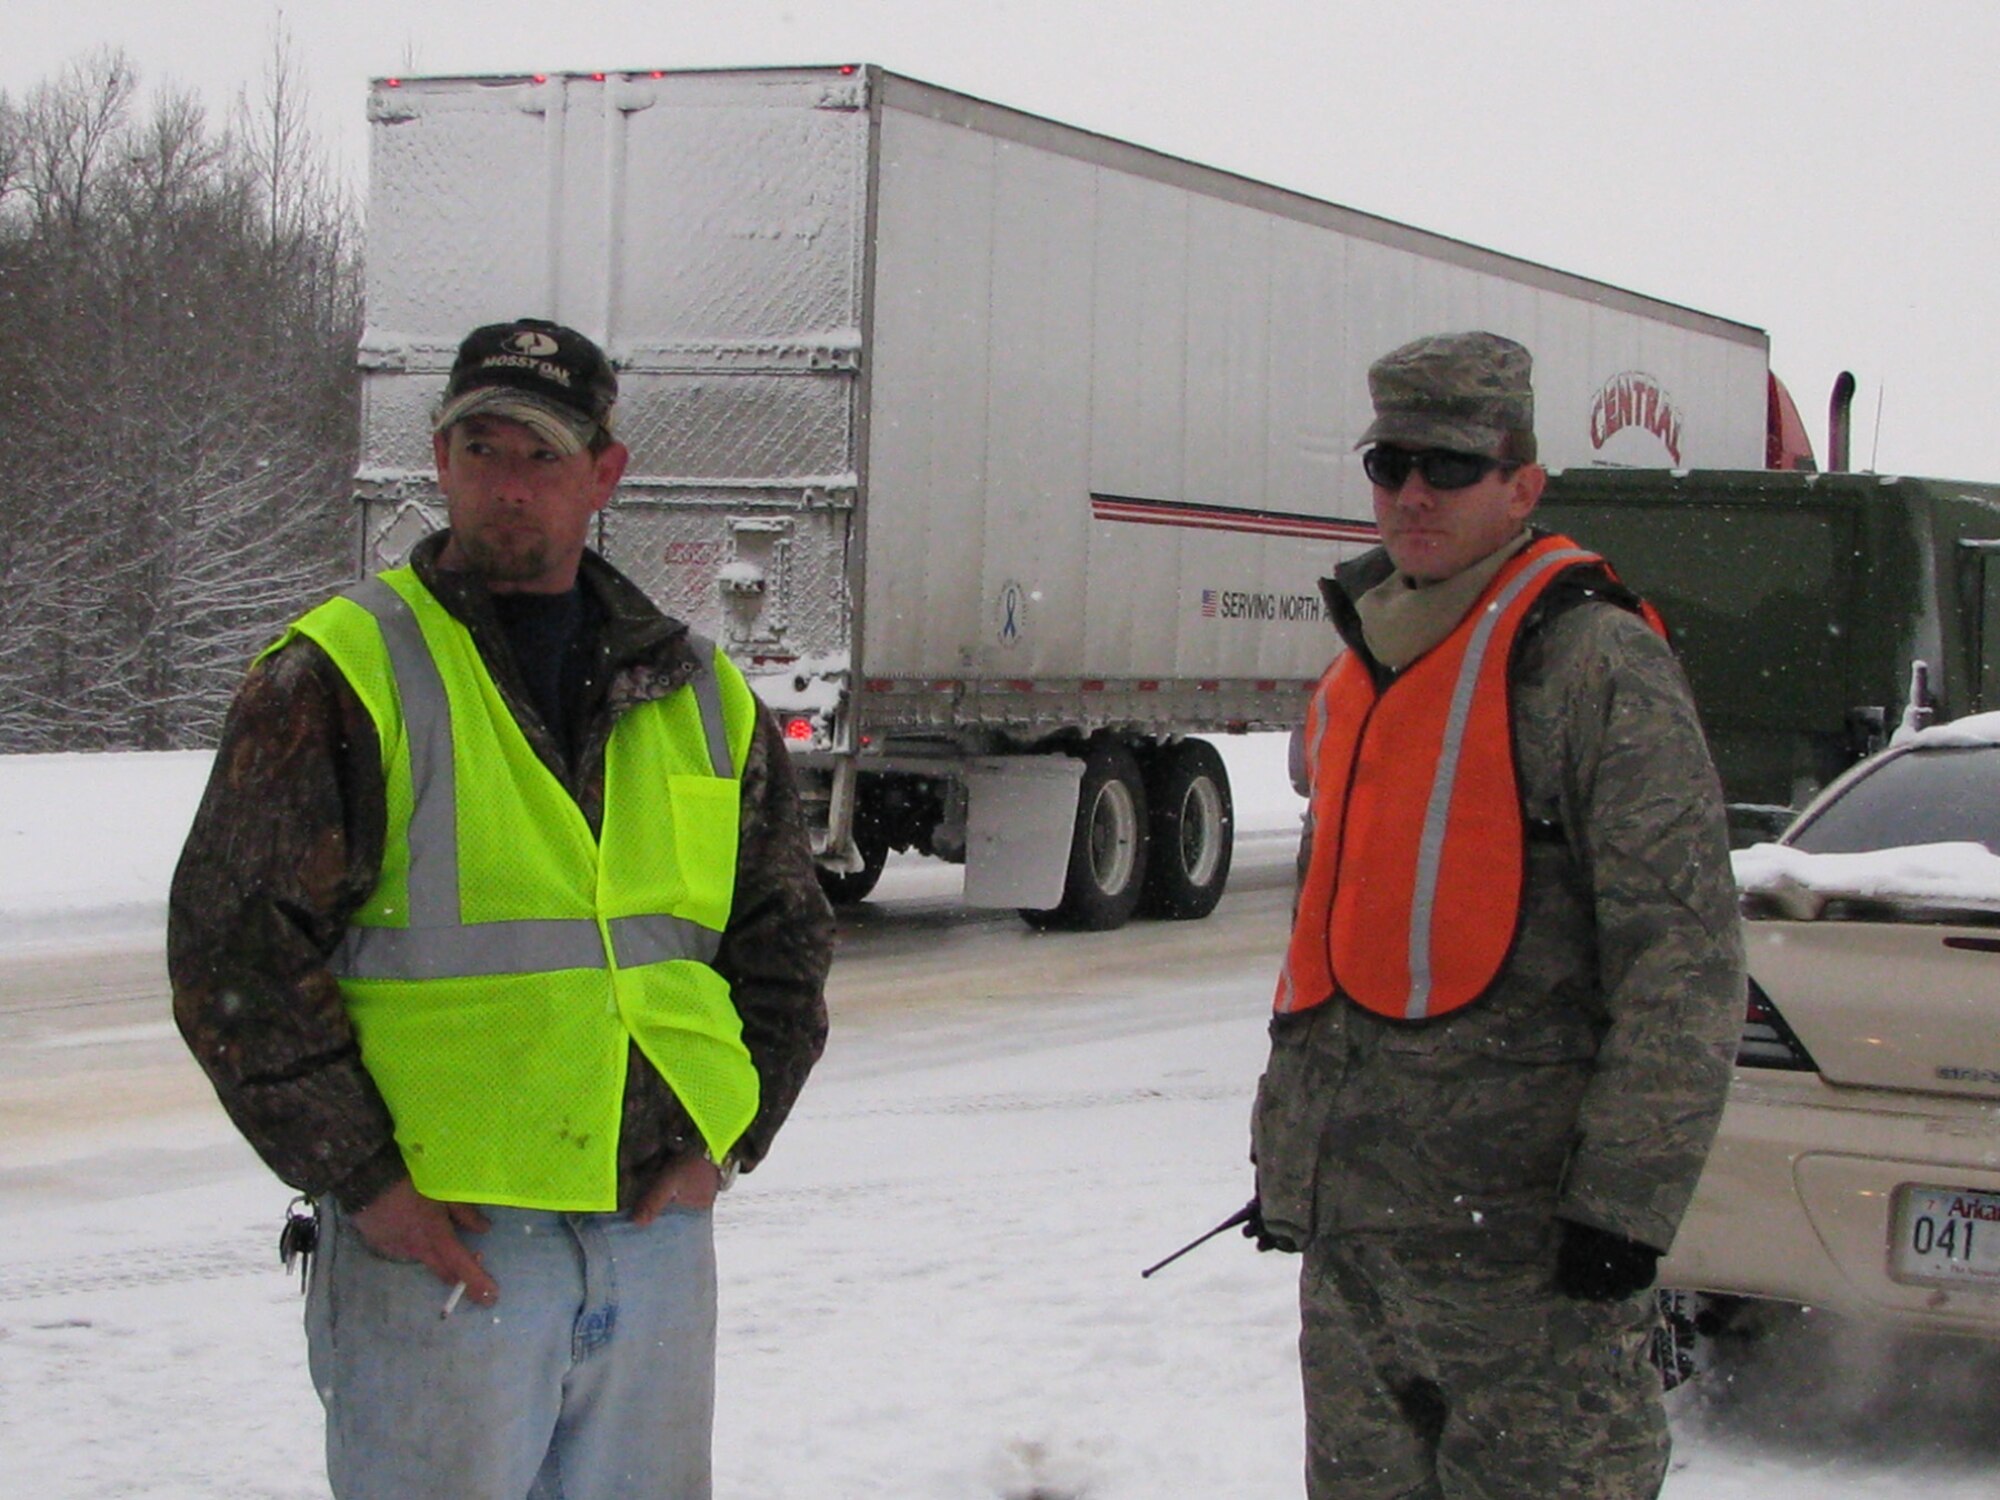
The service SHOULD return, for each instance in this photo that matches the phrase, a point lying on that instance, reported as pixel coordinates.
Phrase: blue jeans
(593, 1377)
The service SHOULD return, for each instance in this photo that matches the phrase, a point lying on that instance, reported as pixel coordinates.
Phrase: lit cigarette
(452, 1301)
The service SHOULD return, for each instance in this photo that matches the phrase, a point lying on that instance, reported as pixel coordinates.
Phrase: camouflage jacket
(1588, 1083)
(288, 843)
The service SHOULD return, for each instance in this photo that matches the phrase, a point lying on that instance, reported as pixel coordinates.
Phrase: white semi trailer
(1005, 457)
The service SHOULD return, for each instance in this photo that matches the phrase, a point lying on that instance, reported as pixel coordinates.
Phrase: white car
(1858, 1164)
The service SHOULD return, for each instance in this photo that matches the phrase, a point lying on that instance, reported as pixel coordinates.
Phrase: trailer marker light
(394, 83)
(798, 729)
(597, 78)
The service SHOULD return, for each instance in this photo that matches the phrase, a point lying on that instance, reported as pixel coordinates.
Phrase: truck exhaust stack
(1840, 422)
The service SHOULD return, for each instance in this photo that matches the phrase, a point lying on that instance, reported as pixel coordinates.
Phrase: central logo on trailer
(1635, 401)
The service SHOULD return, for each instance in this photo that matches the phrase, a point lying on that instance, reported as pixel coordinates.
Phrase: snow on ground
(88, 842)
(930, 1290)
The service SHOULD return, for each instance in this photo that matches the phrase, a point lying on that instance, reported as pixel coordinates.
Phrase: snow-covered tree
(179, 306)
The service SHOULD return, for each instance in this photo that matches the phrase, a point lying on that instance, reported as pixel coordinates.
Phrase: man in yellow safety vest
(499, 935)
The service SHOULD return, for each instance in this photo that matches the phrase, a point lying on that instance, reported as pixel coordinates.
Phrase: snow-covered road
(930, 1290)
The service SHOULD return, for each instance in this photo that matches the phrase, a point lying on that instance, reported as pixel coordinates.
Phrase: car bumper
(1799, 1196)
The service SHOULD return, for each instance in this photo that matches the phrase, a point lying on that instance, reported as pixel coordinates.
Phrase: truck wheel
(1107, 852)
(1193, 825)
(845, 887)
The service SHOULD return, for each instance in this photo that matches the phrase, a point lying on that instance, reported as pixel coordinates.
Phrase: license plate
(1946, 1234)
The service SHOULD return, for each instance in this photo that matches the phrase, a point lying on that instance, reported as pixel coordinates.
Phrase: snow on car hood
(1966, 733)
(1932, 875)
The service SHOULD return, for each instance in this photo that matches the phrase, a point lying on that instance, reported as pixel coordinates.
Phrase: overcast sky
(1822, 169)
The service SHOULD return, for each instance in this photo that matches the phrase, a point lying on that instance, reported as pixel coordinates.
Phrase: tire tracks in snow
(141, 1267)
(1024, 1103)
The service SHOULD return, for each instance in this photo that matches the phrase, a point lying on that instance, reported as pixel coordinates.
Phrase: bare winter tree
(12, 139)
(71, 124)
(178, 313)
(280, 152)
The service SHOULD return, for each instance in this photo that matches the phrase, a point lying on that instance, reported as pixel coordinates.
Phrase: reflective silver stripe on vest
(433, 839)
(661, 939)
(1323, 703)
(437, 944)
(485, 950)
(478, 950)
(1430, 848)
(707, 685)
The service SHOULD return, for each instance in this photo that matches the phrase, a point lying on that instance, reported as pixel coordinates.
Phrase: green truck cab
(1800, 604)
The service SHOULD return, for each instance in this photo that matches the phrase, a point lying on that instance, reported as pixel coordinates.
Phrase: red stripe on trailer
(1140, 511)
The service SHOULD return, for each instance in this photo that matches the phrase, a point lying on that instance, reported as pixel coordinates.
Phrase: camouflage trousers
(1445, 1366)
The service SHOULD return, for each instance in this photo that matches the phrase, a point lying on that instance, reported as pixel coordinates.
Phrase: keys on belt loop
(300, 1237)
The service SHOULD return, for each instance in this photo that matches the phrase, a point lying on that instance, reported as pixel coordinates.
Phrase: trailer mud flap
(1020, 815)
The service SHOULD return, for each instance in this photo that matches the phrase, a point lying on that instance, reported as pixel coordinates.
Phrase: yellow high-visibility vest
(507, 959)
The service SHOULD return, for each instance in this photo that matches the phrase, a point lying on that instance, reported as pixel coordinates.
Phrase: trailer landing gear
(845, 887)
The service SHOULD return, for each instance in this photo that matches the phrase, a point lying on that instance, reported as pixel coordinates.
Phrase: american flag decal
(1210, 601)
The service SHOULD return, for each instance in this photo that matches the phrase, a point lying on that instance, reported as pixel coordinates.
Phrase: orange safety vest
(1413, 896)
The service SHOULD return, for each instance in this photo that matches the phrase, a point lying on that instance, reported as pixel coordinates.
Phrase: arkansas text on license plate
(1943, 1234)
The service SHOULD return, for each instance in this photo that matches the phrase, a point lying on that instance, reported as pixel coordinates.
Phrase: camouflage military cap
(1468, 392)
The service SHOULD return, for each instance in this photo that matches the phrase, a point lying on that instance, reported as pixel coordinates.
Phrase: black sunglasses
(1442, 469)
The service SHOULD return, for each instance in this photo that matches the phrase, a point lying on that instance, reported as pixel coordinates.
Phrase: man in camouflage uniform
(1482, 1195)
(581, 1362)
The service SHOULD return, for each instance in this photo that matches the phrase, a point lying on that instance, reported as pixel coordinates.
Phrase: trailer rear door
(709, 229)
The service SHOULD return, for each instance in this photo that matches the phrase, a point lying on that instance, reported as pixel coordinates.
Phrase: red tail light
(798, 729)
(1767, 1041)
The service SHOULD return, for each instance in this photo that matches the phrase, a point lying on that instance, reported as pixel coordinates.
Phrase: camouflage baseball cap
(550, 378)
(1468, 392)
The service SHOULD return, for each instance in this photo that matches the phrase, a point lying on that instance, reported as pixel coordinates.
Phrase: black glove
(1254, 1229)
(1595, 1265)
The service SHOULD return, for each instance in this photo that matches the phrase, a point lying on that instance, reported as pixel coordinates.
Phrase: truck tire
(1107, 852)
(1192, 822)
